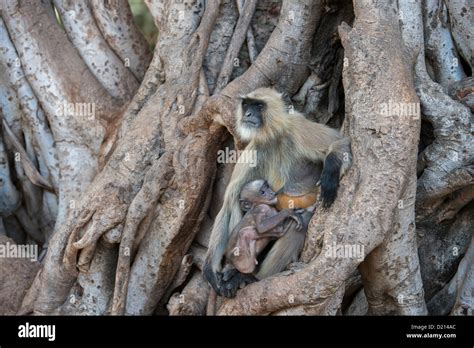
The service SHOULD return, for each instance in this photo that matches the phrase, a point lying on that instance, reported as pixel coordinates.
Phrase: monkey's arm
(342, 149)
(324, 142)
(318, 143)
(268, 227)
(336, 164)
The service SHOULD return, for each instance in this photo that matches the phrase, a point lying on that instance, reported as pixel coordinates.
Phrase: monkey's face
(252, 111)
(257, 192)
(259, 114)
(266, 195)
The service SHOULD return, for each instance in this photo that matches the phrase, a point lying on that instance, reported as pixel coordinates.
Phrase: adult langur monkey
(296, 156)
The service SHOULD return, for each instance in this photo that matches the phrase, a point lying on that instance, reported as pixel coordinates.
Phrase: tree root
(464, 304)
(455, 203)
(193, 299)
(109, 70)
(156, 180)
(127, 244)
(451, 151)
(439, 44)
(116, 23)
(252, 48)
(237, 40)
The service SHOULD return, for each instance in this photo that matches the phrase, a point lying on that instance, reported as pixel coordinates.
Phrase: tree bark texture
(108, 152)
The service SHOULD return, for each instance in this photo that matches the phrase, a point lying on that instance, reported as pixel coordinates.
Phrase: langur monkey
(260, 224)
(299, 158)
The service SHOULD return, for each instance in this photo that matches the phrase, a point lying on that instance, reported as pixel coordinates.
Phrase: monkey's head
(261, 115)
(256, 192)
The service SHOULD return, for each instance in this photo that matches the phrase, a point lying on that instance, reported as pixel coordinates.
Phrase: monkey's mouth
(251, 123)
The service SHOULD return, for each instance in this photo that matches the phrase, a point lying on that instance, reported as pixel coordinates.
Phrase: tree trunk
(108, 152)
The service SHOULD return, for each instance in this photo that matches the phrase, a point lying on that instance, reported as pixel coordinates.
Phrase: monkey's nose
(248, 114)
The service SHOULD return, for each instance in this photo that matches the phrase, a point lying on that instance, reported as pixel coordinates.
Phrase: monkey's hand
(296, 216)
(233, 280)
(214, 278)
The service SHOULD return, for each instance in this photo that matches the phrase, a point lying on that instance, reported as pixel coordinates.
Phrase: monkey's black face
(252, 110)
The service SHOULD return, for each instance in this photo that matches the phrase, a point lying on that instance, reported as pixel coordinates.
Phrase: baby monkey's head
(256, 192)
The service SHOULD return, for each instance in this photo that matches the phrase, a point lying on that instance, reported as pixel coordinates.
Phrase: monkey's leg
(288, 247)
(212, 268)
(284, 251)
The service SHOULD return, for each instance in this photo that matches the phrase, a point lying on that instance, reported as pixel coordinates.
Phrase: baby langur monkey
(260, 224)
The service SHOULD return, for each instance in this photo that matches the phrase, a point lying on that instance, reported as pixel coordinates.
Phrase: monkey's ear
(286, 98)
(283, 94)
(245, 205)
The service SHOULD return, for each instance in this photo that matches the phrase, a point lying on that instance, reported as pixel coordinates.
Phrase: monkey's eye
(262, 192)
(260, 106)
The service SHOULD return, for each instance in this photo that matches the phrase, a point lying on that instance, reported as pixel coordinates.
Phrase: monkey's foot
(233, 280)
